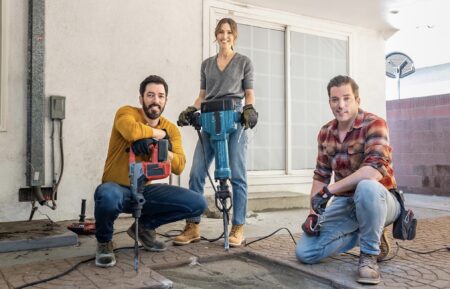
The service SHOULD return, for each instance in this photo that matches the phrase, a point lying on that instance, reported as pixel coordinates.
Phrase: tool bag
(404, 227)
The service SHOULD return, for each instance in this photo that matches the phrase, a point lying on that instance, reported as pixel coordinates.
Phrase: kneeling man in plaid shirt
(355, 146)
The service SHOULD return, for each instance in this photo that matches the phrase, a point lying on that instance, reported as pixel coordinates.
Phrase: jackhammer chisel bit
(138, 201)
(223, 203)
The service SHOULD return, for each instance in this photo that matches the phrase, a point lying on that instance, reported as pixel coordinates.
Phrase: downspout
(35, 99)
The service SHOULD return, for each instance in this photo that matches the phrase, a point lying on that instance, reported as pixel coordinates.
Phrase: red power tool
(83, 227)
(159, 165)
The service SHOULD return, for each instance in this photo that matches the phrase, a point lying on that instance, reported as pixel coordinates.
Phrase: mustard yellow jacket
(129, 126)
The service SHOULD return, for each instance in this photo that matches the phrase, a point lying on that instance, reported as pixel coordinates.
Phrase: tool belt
(404, 227)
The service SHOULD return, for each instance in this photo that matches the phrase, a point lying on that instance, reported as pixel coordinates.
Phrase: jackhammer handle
(194, 121)
(83, 210)
(182, 123)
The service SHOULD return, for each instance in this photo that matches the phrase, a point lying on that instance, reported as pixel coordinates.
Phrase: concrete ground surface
(270, 262)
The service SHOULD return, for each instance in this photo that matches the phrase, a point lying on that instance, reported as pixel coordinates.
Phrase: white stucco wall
(97, 53)
(369, 70)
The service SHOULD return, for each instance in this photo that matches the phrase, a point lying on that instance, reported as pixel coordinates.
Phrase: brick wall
(420, 138)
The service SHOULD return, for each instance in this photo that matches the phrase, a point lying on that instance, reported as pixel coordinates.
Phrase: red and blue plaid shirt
(366, 144)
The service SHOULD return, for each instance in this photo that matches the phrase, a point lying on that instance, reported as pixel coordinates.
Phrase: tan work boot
(237, 236)
(368, 269)
(385, 247)
(190, 234)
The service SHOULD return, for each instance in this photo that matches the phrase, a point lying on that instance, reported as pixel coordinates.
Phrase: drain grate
(243, 271)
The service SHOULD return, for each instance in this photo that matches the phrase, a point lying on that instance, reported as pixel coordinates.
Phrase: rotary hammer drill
(140, 172)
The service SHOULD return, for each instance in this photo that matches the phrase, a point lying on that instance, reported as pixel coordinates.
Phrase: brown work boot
(147, 238)
(190, 234)
(385, 247)
(104, 257)
(368, 269)
(237, 235)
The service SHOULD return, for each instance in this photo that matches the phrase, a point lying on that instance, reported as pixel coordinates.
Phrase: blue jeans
(237, 152)
(163, 204)
(350, 221)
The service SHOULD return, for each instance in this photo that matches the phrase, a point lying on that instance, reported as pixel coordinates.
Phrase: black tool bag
(404, 227)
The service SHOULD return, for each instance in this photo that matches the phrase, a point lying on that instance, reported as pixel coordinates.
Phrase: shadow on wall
(420, 137)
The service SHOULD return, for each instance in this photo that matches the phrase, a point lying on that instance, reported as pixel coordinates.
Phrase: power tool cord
(61, 151)
(56, 276)
(404, 248)
(61, 159)
(68, 270)
(204, 158)
(270, 235)
(422, 252)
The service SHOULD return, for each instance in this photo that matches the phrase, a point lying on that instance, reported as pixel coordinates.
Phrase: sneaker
(385, 247)
(190, 234)
(104, 257)
(147, 238)
(368, 269)
(237, 236)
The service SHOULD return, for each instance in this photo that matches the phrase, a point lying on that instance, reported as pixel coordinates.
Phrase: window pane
(265, 47)
(314, 61)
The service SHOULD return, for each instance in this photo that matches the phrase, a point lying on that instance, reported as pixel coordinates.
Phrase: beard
(151, 112)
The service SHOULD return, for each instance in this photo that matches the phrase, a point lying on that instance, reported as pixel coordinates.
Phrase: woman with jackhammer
(225, 75)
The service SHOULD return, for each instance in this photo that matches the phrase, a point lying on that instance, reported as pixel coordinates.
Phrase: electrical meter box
(57, 107)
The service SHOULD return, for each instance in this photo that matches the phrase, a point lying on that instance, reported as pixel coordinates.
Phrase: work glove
(249, 116)
(311, 225)
(167, 137)
(142, 146)
(319, 200)
(186, 115)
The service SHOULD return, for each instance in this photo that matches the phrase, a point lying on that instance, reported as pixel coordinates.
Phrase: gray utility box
(57, 107)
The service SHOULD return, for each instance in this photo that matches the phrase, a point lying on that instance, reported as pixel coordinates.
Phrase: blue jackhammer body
(219, 119)
(219, 125)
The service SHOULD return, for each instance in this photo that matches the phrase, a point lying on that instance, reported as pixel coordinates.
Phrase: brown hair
(230, 22)
(342, 80)
(153, 79)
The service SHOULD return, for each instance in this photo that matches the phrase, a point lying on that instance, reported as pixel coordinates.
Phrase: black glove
(311, 226)
(142, 146)
(186, 115)
(249, 116)
(319, 201)
(167, 137)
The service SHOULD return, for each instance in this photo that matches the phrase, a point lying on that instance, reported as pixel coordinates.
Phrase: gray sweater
(231, 82)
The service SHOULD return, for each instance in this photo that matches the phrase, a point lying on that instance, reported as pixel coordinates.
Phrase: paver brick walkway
(406, 270)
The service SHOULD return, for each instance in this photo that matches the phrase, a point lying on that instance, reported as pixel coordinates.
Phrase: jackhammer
(140, 172)
(219, 119)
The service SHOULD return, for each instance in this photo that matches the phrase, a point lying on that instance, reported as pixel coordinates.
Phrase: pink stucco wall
(420, 137)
